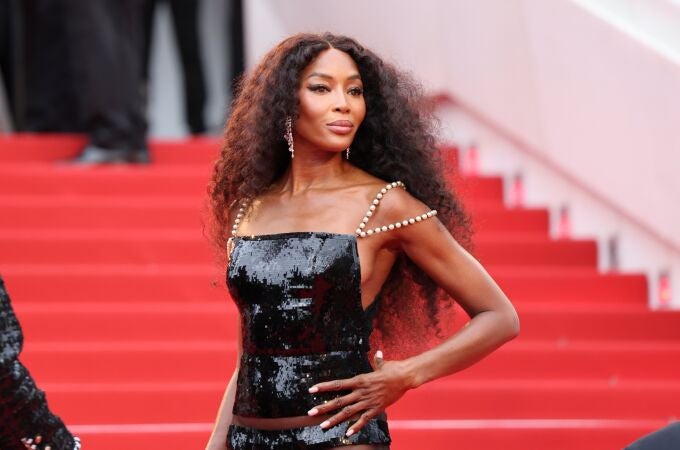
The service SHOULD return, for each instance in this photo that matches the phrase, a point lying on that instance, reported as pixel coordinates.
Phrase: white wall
(398, 30)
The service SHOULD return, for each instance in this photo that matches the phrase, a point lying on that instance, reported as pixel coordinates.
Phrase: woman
(309, 199)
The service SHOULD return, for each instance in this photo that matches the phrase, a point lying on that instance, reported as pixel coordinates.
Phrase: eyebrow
(356, 76)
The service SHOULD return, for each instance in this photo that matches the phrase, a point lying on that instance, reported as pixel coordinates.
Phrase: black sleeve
(23, 407)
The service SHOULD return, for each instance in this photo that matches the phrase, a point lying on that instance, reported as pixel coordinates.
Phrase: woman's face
(331, 104)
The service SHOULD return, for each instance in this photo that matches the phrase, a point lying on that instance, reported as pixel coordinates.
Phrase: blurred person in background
(185, 24)
(6, 55)
(25, 419)
(75, 66)
(105, 43)
(235, 50)
(44, 85)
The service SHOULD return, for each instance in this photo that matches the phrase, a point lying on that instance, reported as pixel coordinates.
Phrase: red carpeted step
(112, 180)
(447, 399)
(154, 246)
(450, 157)
(596, 323)
(134, 361)
(217, 320)
(125, 213)
(124, 284)
(541, 251)
(485, 220)
(213, 360)
(479, 189)
(153, 282)
(568, 285)
(450, 398)
(35, 149)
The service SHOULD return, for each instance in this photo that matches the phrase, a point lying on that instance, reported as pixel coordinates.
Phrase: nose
(341, 103)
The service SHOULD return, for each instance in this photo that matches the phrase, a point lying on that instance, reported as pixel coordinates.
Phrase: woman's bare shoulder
(368, 183)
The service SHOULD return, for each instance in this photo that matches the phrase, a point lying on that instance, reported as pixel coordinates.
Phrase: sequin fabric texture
(308, 438)
(301, 319)
(23, 408)
(302, 322)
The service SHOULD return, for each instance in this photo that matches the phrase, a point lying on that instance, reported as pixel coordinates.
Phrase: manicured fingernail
(349, 432)
(325, 424)
(379, 354)
(313, 389)
(313, 412)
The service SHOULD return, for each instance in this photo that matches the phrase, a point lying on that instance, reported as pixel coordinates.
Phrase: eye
(356, 91)
(319, 88)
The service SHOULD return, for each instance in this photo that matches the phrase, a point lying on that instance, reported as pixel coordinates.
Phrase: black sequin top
(302, 321)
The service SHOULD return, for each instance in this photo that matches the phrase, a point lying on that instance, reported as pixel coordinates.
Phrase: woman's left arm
(494, 321)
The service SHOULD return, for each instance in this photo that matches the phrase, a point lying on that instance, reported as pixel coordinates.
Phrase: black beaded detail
(364, 231)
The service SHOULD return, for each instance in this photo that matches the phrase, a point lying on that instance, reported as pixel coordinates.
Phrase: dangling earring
(347, 154)
(288, 136)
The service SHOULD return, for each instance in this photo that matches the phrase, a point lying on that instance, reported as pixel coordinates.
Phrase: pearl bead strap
(239, 216)
(234, 227)
(362, 231)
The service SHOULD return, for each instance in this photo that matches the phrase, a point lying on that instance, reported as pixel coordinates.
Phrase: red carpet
(130, 331)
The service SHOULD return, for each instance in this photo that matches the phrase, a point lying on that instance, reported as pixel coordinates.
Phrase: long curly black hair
(396, 141)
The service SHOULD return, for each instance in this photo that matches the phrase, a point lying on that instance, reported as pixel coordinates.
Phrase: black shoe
(93, 155)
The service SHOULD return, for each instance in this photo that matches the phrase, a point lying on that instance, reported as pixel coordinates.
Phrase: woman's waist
(283, 369)
(271, 386)
(298, 372)
(301, 339)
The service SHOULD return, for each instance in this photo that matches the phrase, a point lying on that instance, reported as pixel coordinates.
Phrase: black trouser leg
(106, 38)
(50, 96)
(236, 53)
(6, 67)
(185, 19)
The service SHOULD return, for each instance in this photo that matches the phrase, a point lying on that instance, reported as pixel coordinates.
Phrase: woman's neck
(313, 170)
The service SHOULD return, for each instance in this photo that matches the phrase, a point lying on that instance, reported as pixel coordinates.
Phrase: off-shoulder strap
(234, 228)
(364, 230)
(239, 215)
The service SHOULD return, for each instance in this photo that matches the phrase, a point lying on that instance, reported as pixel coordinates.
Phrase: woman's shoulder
(390, 200)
